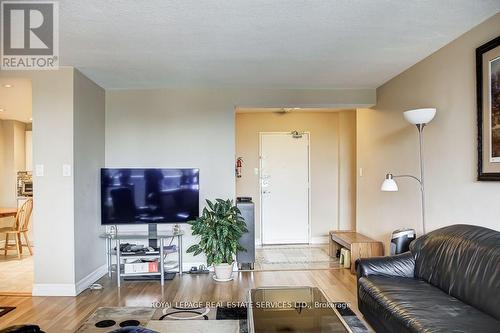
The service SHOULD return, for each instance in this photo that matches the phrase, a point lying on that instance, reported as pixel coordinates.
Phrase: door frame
(261, 134)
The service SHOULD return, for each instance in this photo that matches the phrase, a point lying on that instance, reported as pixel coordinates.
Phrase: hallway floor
(294, 257)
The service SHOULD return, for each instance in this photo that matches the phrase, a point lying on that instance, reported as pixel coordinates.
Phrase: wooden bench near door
(21, 227)
(360, 245)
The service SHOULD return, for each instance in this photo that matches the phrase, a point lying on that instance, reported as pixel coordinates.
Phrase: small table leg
(108, 255)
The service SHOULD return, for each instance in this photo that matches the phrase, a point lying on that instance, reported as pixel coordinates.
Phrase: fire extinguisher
(239, 163)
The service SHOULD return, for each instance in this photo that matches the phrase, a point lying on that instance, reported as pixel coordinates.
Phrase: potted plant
(219, 227)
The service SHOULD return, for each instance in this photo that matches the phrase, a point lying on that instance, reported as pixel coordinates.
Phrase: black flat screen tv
(143, 196)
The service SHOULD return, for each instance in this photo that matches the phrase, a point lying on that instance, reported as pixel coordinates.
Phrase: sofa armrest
(402, 265)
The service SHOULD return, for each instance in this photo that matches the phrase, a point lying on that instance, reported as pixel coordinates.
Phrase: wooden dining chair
(21, 226)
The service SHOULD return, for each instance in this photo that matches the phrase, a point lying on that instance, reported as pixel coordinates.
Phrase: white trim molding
(91, 278)
(53, 289)
(69, 289)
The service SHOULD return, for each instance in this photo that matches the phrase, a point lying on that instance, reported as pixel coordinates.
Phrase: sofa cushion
(463, 261)
(420, 307)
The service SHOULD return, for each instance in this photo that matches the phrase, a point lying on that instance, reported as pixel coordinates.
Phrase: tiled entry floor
(293, 257)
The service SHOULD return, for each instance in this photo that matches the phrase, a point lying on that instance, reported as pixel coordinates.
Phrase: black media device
(149, 196)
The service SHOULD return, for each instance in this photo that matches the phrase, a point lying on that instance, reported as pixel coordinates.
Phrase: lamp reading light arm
(409, 176)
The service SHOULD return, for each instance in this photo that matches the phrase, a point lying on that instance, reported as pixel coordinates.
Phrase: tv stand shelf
(120, 256)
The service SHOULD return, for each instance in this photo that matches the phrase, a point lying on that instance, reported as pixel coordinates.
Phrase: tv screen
(141, 196)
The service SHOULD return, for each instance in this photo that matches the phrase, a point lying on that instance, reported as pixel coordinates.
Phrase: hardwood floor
(65, 314)
(16, 274)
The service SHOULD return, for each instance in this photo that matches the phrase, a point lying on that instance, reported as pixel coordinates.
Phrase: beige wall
(173, 129)
(347, 170)
(445, 80)
(12, 159)
(55, 98)
(53, 210)
(88, 124)
(331, 154)
(196, 128)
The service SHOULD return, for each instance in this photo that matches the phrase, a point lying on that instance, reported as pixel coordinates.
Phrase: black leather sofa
(449, 281)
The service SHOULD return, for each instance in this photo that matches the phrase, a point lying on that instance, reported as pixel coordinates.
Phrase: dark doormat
(5, 309)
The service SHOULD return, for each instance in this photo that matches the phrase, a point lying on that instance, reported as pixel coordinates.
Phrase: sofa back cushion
(464, 261)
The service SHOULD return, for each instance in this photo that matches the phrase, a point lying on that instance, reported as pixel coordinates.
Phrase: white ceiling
(258, 43)
(16, 100)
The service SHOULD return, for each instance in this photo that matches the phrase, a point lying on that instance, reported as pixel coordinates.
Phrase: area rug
(180, 319)
(5, 309)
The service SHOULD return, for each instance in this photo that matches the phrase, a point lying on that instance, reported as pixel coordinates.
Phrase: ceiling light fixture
(7, 85)
(2, 110)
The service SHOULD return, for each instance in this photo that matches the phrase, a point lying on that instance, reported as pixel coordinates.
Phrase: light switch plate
(256, 171)
(66, 170)
(39, 170)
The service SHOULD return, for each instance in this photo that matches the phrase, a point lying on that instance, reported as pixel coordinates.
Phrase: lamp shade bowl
(420, 116)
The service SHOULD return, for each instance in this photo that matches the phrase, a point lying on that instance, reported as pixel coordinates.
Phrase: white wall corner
(91, 278)
(50, 289)
(69, 289)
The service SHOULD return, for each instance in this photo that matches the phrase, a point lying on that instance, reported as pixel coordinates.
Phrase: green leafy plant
(220, 227)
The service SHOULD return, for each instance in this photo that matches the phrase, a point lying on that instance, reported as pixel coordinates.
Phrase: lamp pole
(420, 180)
(419, 118)
(420, 128)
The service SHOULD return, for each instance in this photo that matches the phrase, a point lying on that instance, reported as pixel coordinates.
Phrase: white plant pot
(223, 271)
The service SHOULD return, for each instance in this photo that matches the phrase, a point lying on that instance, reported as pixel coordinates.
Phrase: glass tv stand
(120, 257)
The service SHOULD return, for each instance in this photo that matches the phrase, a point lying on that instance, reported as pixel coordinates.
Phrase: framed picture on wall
(488, 109)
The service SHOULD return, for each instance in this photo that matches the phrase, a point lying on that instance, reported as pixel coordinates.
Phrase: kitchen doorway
(16, 191)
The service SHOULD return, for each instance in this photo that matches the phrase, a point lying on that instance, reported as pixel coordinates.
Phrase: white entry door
(284, 177)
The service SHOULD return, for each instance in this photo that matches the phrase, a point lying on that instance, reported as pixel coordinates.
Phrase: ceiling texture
(308, 44)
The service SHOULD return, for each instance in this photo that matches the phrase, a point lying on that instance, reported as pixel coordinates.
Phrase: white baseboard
(69, 289)
(313, 240)
(52, 289)
(91, 278)
(186, 266)
(319, 240)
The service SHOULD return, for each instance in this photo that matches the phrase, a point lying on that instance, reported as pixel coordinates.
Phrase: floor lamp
(420, 118)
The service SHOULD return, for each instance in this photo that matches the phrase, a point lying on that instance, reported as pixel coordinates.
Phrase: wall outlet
(39, 170)
(256, 171)
(66, 170)
(361, 172)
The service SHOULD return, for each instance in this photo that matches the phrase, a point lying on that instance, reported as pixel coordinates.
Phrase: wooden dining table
(7, 212)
